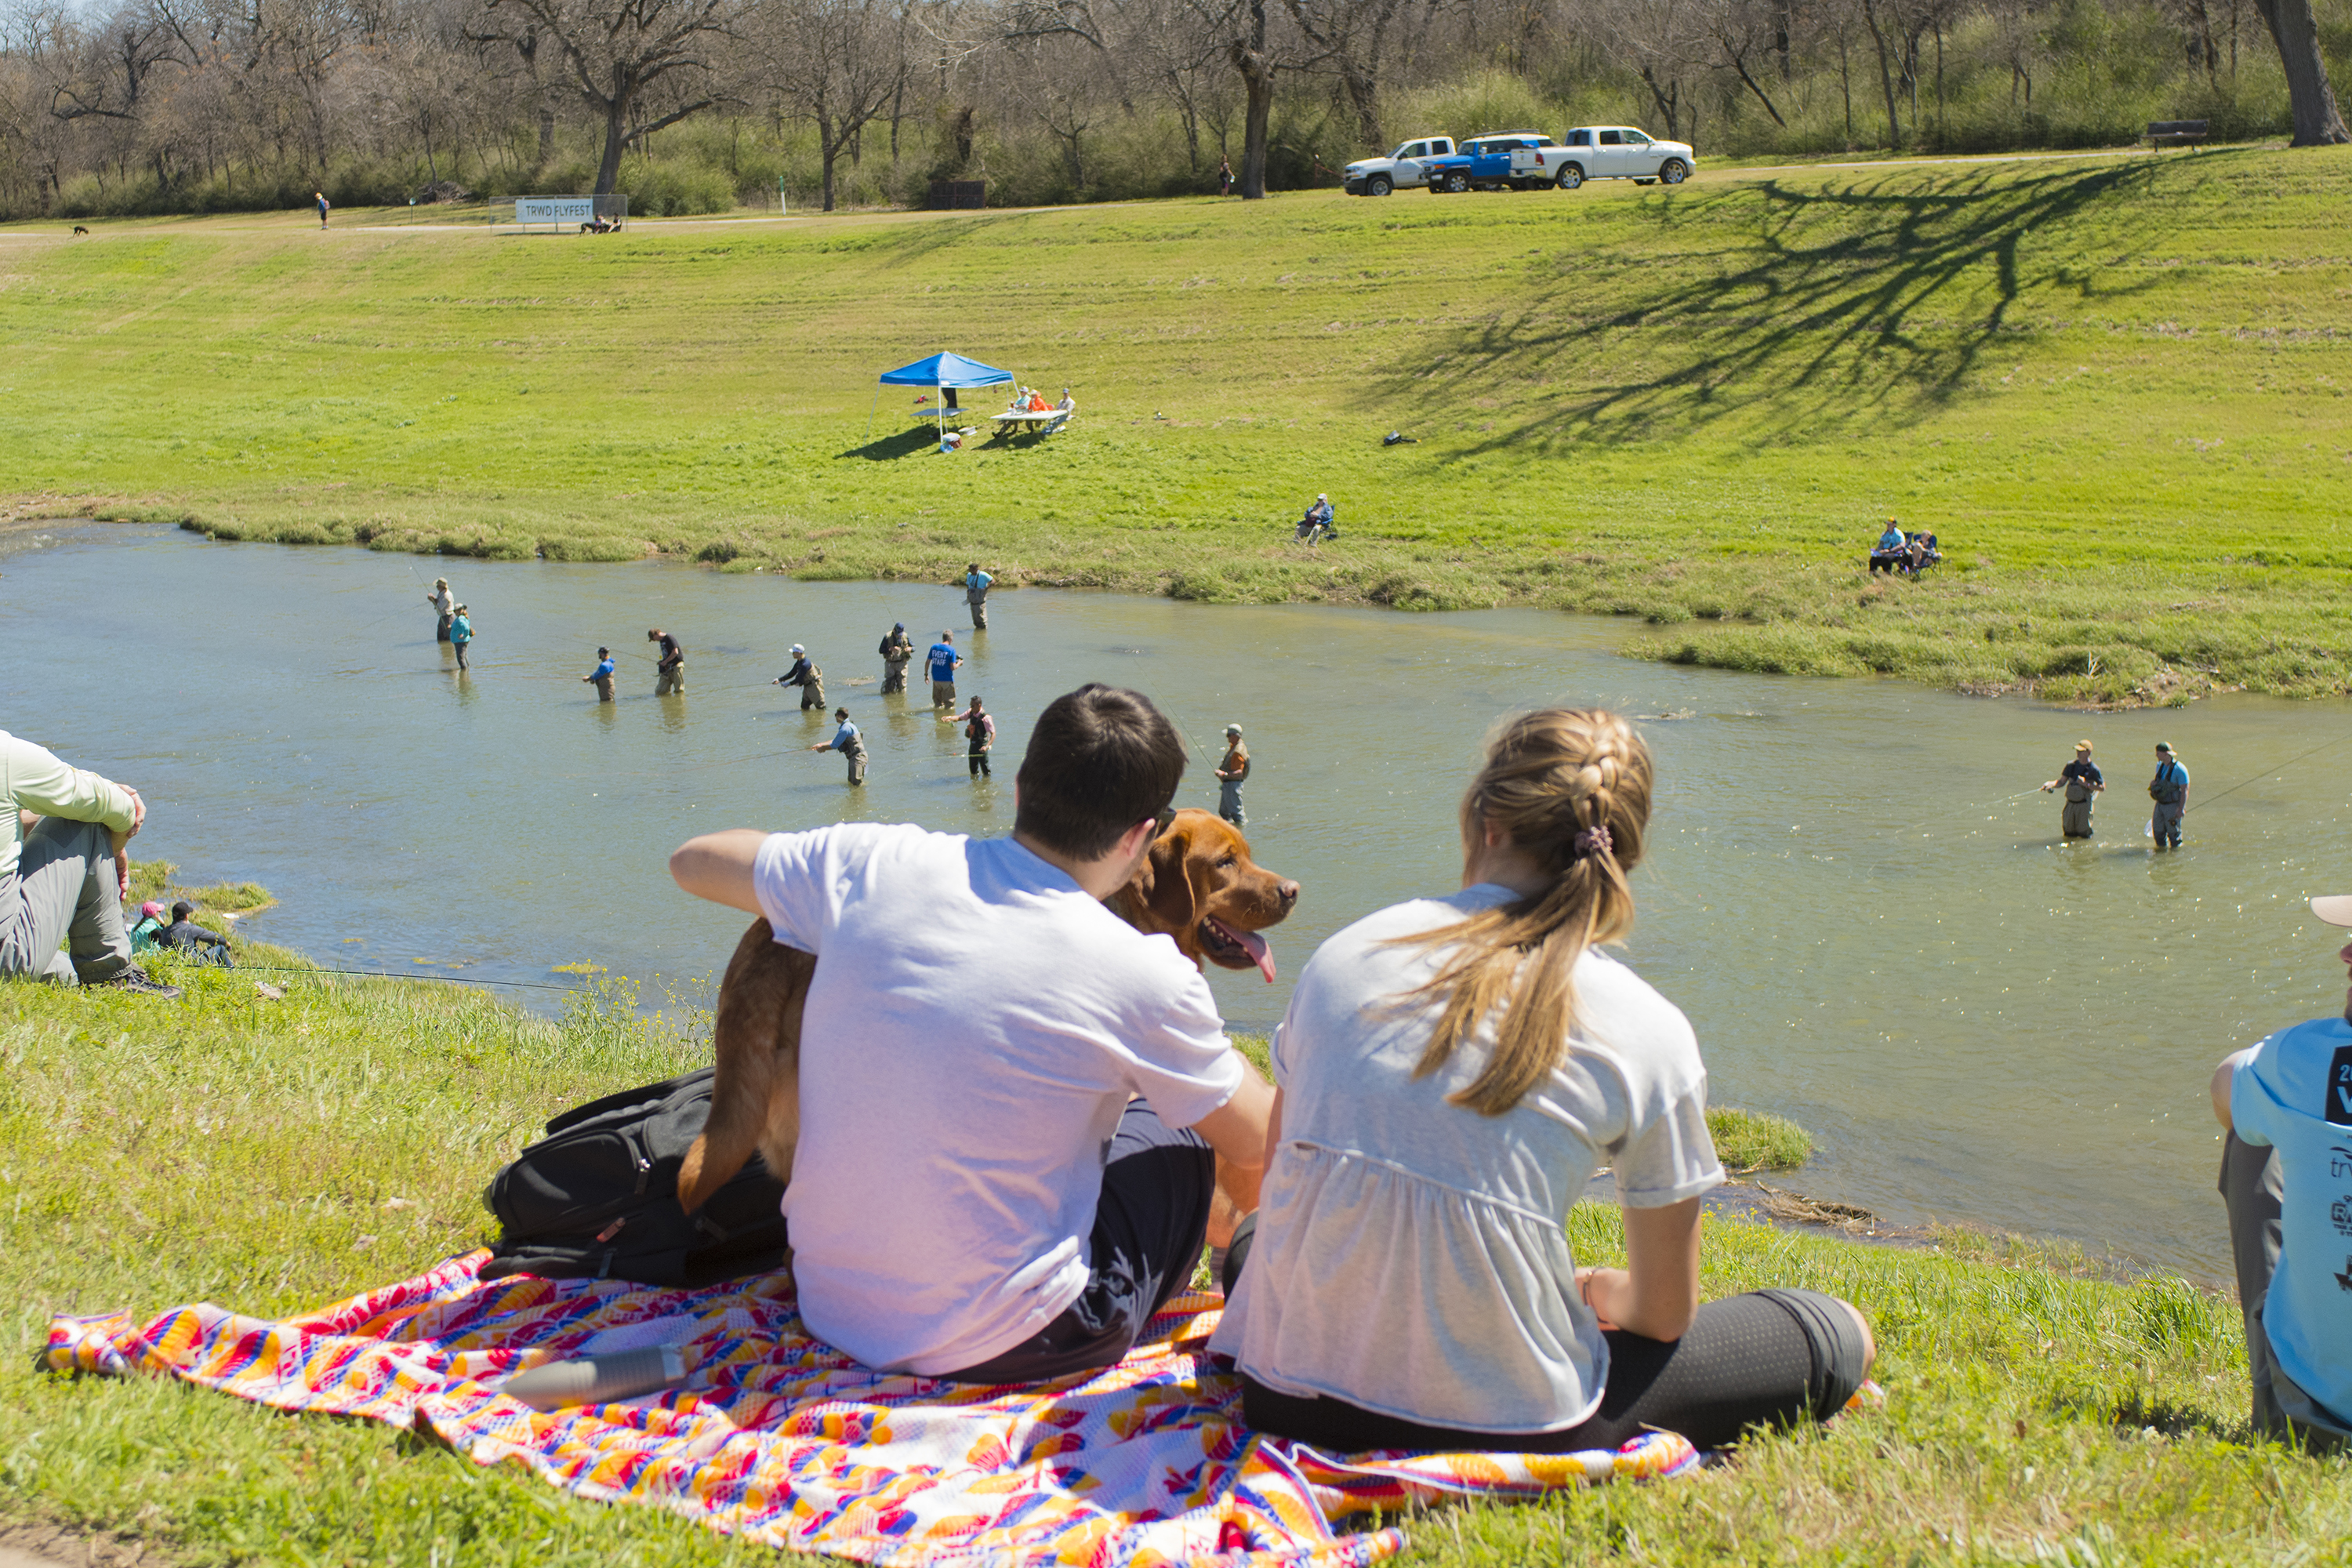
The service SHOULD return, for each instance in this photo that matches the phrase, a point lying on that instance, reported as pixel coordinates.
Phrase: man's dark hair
(1100, 761)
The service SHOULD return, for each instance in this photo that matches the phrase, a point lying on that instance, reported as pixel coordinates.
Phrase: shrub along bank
(2113, 387)
(272, 1155)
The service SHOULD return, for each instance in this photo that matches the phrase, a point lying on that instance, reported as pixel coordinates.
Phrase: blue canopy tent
(940, 372)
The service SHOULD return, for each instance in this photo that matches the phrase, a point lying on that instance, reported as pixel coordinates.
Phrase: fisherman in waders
(2170, 790)
(849, 743)
(445, 606)
(898, 651)
(2082, 781)
(975, 594)
(1231, 772)
(979, 738)
(602, 679)
(669, 668)
(943, 660)
(807, 677)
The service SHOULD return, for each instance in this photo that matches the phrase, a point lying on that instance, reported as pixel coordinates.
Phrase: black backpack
(597, 1197)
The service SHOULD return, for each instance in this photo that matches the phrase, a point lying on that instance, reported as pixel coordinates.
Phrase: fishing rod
(2266, 773)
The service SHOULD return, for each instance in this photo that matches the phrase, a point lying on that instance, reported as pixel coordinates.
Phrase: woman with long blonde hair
(1451, 1072)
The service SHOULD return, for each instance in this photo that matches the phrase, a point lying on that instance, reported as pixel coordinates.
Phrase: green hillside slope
(2114, 387)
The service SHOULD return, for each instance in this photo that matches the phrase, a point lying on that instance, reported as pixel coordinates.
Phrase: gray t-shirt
(1411, 1256)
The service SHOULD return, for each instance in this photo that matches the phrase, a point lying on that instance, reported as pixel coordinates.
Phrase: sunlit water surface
(1870, 932)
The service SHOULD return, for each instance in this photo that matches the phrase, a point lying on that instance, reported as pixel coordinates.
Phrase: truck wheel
(1674, 171)
(1378, 186)
(1571, 176)
(1457, 182)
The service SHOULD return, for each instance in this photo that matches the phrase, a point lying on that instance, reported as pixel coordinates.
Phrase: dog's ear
(763, 993)
(1166, 886)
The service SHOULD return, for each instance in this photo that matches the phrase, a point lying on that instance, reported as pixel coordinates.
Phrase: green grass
(1756, 1141)
(153, 880)
(276, 1156)
(2115, 386)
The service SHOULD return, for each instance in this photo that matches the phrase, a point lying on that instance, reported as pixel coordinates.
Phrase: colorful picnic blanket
(776, 1436)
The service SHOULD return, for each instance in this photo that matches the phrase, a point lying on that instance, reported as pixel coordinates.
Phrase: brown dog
(1198, 885)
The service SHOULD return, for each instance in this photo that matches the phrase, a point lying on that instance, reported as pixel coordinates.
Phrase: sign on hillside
(571, 212)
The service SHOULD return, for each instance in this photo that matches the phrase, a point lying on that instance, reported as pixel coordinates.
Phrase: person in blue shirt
(461, 636)
(1317, 525)
(2286, 1177)
(1893, 551)
(975, 594)
(2170, 790)
(849, 743)
(943, 662)
(602, 679)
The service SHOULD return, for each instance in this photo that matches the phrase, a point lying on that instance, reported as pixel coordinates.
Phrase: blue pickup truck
(1485, 163)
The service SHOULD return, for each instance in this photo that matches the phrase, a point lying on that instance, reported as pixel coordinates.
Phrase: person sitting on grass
(65, 867)
(147, 935)
(2285, 1109)
(1892, 550)
(184, 935)
(1451, 1072)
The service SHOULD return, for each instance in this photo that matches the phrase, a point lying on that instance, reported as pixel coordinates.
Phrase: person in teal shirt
(975, 594)
(461, 635)
(2286, 1163)
(1892, 550)
(145, 934)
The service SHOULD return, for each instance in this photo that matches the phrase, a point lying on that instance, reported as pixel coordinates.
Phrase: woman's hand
(1600, 1286)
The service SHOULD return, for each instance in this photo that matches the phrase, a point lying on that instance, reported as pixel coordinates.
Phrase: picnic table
(1045, 421)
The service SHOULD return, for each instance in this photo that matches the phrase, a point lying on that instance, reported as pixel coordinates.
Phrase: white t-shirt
(974, 1030)
(1410, 1256)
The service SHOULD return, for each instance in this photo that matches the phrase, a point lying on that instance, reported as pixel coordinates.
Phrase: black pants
(1149, 1225)
(979, 761)
(1770, 1358)
(2253, 1188)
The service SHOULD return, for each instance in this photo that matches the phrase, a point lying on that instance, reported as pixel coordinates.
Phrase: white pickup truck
(1379, 177)
(1607, 152)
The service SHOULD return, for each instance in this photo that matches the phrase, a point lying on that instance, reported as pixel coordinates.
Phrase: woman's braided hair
(1569, 787)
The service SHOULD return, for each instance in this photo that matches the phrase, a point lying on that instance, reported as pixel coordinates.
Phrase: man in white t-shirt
(1014, 1107)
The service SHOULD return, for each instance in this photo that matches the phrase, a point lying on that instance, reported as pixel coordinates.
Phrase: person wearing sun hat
(2170, 790)
(2081, 781)
(1231, 774)
(2285, 1106)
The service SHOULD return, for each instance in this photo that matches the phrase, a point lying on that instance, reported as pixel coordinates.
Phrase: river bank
(2112, 388)
(273, 1154)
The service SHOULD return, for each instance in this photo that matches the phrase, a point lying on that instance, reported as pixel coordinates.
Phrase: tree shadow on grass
(1862, 302)
(897, 444)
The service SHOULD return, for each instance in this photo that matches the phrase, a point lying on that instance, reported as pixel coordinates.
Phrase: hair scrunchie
(1595, 841)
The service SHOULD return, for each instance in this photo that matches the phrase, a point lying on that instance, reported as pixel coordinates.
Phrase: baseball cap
(2162, 747)
(151, 907)
(2336, 910)
(797, 649)
(2081, 745)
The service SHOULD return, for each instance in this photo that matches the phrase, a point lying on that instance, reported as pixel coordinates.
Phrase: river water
(1976, 1021)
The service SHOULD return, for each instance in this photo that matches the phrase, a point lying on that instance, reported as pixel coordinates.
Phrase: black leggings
(1770, 1358)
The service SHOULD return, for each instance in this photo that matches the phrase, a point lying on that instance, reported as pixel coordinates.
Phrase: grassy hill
(2115, 386)
(274, 1154)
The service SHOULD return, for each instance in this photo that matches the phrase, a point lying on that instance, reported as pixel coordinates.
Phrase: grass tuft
(1749, 1140)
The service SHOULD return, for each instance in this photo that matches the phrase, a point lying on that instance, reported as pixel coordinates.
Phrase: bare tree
(1351, 39)
(835, 63)
(615, 51)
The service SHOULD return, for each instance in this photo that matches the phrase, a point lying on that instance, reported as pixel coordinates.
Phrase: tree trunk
(828, 149)
(546, 132)
(2317, 122)
(1364, 97)
(1257, 76)
(1886, 76)
(616, 137)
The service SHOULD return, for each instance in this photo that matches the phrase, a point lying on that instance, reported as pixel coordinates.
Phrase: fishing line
(392, 975)
(2267, 773)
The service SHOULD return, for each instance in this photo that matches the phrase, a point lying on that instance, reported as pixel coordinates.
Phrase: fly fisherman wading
(2170, 790)
(898, 651)
(2081, 780)
(975, 594)
(806, 675)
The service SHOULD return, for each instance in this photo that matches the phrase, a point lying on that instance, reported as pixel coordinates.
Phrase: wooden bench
(2175, 133)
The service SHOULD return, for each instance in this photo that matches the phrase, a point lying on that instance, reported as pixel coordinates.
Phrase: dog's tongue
(1261, 952)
